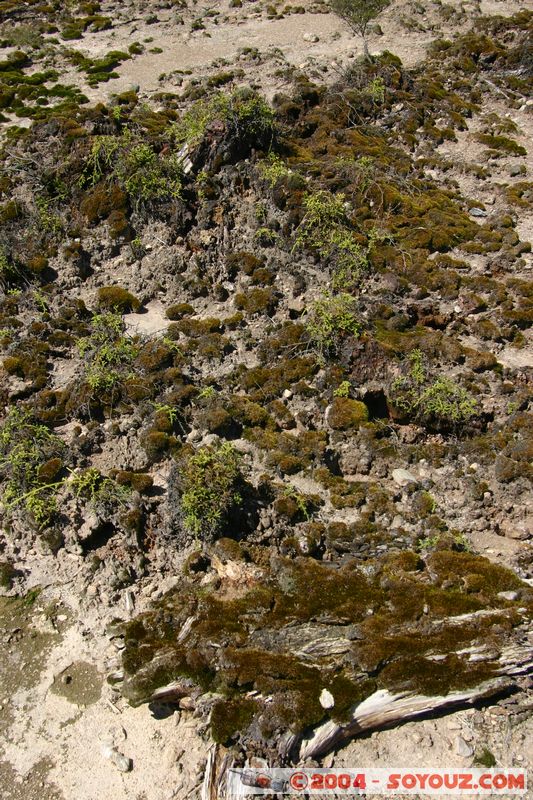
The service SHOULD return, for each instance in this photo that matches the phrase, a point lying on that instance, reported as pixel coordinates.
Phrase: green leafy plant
(265, 236)
(100, 160)
(303, 503)
(273, 169)
(327, 229)
(329, 320)
(210, 489)
(244, 113)
(428, 542)
(440, 401)
(26, 448)
(170, 411)
(343, 389)
(207, 393)
(108, 353)
(49, 220)
(375, 90)
(99, 490)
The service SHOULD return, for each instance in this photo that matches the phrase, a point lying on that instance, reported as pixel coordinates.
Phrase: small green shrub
(210, 489)
(358, 14)
(108, 354)
(343, 389)
(273, 169)
(329, 321)
(327, 230)
(439, 401)
(25, 448)
(246, 116)
(101, 492)
(145, 175)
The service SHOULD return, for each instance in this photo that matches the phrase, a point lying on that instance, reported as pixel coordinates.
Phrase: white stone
(121, 762)
(508, 595)
(402, 477)
(462, 748)
(326, 699)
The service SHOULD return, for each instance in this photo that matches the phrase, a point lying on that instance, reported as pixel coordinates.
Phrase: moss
(156, 444)
(118, 225)
(7, 574)
(300, 593)
(257, 301)
(101, 201)
(501, 144)
(138, 481)
(178, 311)
(154, 356)
(248, 413)
(289, 454)
(197, 327)
(484, 758)
(230, 717)
(434, 678)
(264, 383)
(295, 507)
(450, 568)
(49, 471)
(229, 549)
(346, 414)
(213, 346)
(13, 366)
(242, 262)
(216, 419)
(116, 298)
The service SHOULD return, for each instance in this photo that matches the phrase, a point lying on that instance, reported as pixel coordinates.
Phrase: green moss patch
(406, 612)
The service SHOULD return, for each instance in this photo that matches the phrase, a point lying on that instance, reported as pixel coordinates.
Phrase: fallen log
(384, 709)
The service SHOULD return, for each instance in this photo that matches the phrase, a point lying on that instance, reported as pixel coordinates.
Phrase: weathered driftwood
(383, 709)
(219, 761)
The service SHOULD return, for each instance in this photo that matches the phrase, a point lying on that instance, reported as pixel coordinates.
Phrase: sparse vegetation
(108, 355)
(329, 321)
(358, 14)
(143, 174)
(30, 461)
(210, 489)
(247, 116)
(320, 308)
(440, 401)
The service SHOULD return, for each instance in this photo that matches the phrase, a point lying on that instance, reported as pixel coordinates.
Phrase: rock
(310, 37)
(402, 477)
(453, 725)
(326, 699)
(462, 748)
(477, 212)
(121, 762)
(517, 530)
(508, 595)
